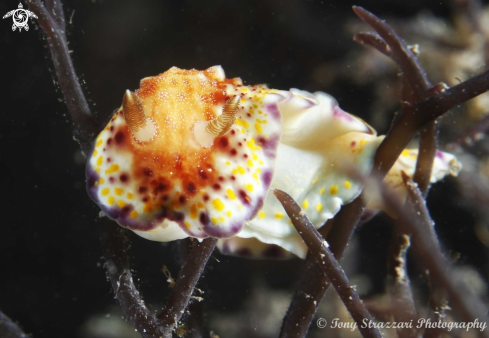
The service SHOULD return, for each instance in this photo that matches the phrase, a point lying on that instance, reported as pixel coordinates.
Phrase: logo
(321, 322)
(20, 17)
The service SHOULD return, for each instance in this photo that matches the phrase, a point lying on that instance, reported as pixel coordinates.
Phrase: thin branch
(312, 282)
(328, 263)
(187, 280)
(437, 105)
(54, 28)
(400, 52)
(373, 40)
(415, 222)
(402, 301)
(472, 134)
(119, 271)
(8, 329)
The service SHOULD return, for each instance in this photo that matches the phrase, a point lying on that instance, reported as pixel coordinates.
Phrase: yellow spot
(255, 156)
(214, 220)
(217, 204)
(105, 191)
(235, 171)
(228, 163)
(96, 183)
(305, 204)
(242, 123)
(97, 170)
(118, 191)
(255, 106)
(249, 163)
(261, 215)
(133, 214)
(242, 131)
(121, 203)
(321, 191)
(229, 213)
(362, 142)
(240, 207)
(243, 99)
(112, 169)
(241, 170)
(193, 211)
(279, 215)
(347, 184)
(231, 194)
(258, 170)
(129, 196)
(255, 176)
(315, 180)
(405, 153)
(187, 224)
(260, 112)
(249, 187)
(95, 153)
(110, 200)
(244, 89)
(200, 205)
(221, 219)
(251, 144)
(99, 143)
(147, 207)
(258, 128)
(261, 162)
(100, 160)
(334, 189)
(319, 207)
(102, 180)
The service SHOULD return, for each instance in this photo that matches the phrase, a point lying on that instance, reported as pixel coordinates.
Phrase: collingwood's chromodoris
(191, 153)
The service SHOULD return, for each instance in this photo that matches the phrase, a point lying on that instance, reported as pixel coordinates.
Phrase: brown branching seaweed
(422, 104)
(319, 248)
(425, 104)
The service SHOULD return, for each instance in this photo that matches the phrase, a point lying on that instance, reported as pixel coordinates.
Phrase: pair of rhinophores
(191, 153)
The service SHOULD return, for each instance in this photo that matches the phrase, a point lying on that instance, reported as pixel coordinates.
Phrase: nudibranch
(192, 153)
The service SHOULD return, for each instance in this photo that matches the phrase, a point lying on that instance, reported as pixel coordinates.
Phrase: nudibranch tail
(142, 128)
(206, 132)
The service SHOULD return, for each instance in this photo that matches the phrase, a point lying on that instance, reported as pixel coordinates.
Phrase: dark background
(52, 278)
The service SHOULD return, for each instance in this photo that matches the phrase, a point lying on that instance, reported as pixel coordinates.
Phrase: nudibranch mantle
(170, 186)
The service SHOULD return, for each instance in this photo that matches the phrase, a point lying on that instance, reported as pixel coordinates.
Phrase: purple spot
(147, 172)
(216, 186)
(191, 188)
(439, 154)
(119, 137)
(142, 189)
(203, 218)
(273, 110)
(244, 197)
(267, 178)
(124, 178)
(233, 152)
(109, 141)
(202, 174)
(182, 199)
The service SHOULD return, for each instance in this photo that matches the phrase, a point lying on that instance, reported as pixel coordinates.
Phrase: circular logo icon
(322, 323)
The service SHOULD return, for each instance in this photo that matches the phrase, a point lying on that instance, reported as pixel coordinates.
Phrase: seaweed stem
(319, 248)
